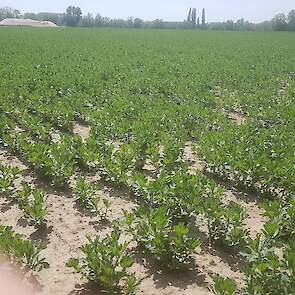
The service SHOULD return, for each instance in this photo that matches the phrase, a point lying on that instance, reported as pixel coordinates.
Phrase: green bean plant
(106, 262)
(86, 194)
(33, 203)
(171, 245)
(21, 250)
(7, 177)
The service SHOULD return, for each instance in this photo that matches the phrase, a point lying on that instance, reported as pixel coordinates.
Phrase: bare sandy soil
(237, 116)
(68, 225)
(81, 130)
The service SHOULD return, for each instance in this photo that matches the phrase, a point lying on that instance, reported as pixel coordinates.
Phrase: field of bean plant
(148, 161)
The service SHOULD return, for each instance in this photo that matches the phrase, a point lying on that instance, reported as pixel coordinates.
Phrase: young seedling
(32, 202)
(106, 262)
(7, 177)
(170, 245)
(107, 205)
(223, 286)
(282, 214)
(225, 222)
(86, 196)
(35, 210)
(21, 250)
(267, 273)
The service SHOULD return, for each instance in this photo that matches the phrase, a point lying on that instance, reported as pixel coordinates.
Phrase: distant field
(191, 128)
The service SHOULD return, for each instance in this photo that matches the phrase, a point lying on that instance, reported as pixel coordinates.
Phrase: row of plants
(172, 187)
(21, 250)
(270, 256)
(141, 109)
(107, 262)
(30, 200)
(246, 163)
(268, 271)
(168, 243)
(8, 175)
(172, 245)
(164, 228)
(251, 158)
(86, 196)
(52, 162)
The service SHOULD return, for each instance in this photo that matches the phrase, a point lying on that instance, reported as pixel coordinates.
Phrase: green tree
(203, 19)
(264, 26)
(8, 12)
(73, 16)
(279, 22)
(87, 21)
(189, 17)
(157, 24)
(138, 23)
(30, 15)
(194, 17)
(291, 20)
(98, 21)
(130, 21)
(240, 25)
(49, 16)
(229, 25)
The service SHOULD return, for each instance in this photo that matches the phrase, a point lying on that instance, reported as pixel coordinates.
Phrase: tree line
(73, 17)
(280, 22)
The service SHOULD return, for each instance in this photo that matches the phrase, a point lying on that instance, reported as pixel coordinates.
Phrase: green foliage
(225, 222)
(119, 163)
(87, 197)
(22, 250)
(259, 248)
(86, 152)
(223, 286)
(172, 154)
(268, 273)
(170, 245)
(7, 177)
(283, 215)
(54, 162)
(238, 114)
(32, 202)
(106, 263)
(178, 190)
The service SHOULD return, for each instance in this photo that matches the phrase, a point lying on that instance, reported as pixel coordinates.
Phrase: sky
(170, 10)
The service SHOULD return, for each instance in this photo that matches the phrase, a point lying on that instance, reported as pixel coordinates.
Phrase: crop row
(143, 97)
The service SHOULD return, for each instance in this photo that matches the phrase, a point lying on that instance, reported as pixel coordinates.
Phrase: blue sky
(217, 10)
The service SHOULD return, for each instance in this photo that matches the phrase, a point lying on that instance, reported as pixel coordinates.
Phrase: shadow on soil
(228, 256)
(41, 234)
(165, 278)
(7, 205)
(92, 289)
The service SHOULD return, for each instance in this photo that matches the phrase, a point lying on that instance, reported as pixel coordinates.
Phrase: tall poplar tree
(189, 17)
(194, 17)
(203, 19)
